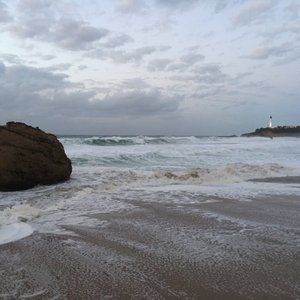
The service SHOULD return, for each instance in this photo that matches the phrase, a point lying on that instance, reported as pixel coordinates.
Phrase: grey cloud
(289, 57)
(192, 58)
(187, 61)
(139, 103)
(255, 84)
(4, 15)
(82, 67)
(218, 5)
(159, 64)
(175, 4)
(41, 20)
(32, 79)
(131, 6)
(47, 57)
(193, 48)
(267, 52)
(253, 12)
(210, 93)
(34, 19)
(295, 28)
(76, 35)
(2, 68)
(125, 56)
(282, 31)
(183, 79)
(133, 84)
(140, 6)
(163, 48)
(60, 67)
(39, 94)
(27, 91)
(32, 28)
(209, 74)
(117, 40)
(221, 5)
(11, 58)
(34, 5)
(68, 34)
(293, 9)
(177, 67)
(146, 50)
(240, 76)
(134, 56)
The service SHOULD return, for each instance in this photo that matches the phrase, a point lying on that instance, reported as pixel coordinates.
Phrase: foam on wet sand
(159, 249)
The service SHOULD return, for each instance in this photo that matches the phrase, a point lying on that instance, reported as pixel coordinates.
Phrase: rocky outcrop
(29, 156)
(275, 132)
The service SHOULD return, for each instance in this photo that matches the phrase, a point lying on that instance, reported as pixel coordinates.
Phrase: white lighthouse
(270, 122)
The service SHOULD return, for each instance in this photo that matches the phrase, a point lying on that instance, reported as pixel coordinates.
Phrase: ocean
(199, 201)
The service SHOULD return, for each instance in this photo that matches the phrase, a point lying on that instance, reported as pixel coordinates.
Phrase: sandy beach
(221, 249)
(150, 150)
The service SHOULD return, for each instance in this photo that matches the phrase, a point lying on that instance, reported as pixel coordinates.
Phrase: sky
(150, 67)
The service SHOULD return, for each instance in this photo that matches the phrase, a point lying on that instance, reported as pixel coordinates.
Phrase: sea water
(111, 172)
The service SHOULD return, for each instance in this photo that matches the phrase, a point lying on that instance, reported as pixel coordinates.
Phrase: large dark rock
(29, 156)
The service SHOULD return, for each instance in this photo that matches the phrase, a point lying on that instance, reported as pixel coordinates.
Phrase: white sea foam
(18, 213)
(13, 220)
(14, 232)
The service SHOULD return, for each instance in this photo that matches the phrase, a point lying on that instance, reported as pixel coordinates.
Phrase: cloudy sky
(177, 67)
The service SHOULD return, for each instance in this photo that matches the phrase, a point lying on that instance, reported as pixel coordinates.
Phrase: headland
(279, 131)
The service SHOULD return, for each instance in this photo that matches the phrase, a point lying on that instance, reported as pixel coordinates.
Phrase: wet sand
(226, 249)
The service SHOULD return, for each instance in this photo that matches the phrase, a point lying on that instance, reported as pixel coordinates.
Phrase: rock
(267, 133)
(22, 219)
(29, 156)
(279, 131)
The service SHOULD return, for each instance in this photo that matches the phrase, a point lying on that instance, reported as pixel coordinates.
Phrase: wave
(230, 173)
(108, 141)
(131, 140)
(143, 160)
(128, 141)
(115, 179)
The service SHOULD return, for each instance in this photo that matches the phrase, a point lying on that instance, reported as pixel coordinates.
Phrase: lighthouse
(270, 122)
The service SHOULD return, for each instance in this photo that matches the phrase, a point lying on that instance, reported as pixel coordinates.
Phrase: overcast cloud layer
(178, 67)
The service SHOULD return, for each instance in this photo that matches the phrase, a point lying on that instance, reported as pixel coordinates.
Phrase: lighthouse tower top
(270, 122)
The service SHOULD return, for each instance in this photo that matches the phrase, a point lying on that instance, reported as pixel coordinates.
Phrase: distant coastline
(279, 131)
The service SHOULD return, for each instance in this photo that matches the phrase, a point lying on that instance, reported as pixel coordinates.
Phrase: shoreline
(226, 249)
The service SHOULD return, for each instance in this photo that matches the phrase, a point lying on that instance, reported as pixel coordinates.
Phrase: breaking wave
(227, 174)
(129, 141)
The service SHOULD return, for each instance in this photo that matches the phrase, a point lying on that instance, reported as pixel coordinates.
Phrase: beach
(225, 249)
(150, 150)
(140, 234)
